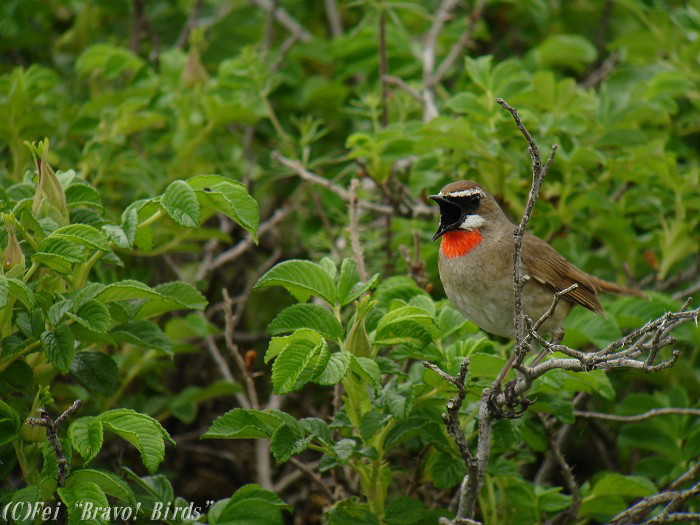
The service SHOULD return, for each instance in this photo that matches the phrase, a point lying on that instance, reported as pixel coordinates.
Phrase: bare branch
(383, 68)
(284, 19)
(189, 24)
(568, 514)
(334, 20)
(408, 89)
(428, 57)
(418, 209)
(465, 40)
(639, 417)
(355, 231)
(44, 420)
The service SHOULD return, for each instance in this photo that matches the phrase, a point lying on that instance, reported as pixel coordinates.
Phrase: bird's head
(464, 205)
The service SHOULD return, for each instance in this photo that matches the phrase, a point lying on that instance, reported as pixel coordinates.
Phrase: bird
(475, 263)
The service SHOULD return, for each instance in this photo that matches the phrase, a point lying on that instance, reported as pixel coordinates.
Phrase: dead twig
(44, 420)
(639, 417)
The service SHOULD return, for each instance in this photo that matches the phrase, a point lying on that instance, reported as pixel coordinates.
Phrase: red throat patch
(460, 242)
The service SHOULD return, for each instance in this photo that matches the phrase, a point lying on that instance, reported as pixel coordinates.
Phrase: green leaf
(277, 344)
(59, 347)
(301, 279)
(350, 512)
(335, 370)
(633, 486)
(485, 365)
(21, 292)
(142, 431)
(228, 197)
(446, 471)
(399, 403)
(240, 423)
(175, 295)
(4, 291)
(83, 234)
(254, 491)
(77, 496)
(110, 484)
(145, 334)
(288, 441)
(406, 324)
(126, 290)
(10, 423)
(311, 316)
(368, 369)
(180, 202)
(86, 435)
(572, 51)
(59, 254)
(404, 511)
(83, 195)
(96, 371)
(250, 505)
(290, 363)
(92, 315)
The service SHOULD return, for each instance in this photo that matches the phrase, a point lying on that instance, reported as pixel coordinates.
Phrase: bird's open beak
(450, 216)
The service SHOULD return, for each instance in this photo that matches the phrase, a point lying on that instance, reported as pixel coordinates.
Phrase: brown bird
(476, 265)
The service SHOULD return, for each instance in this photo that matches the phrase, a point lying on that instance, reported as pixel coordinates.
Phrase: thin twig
(189, 24)
(465, 40)
(284, 19)
(383, 68)
(355, 231)
(308, 471)
(639, 417)
(570, 513)
(333, 16)
(428, 57)
(44, 420)
(408, 89)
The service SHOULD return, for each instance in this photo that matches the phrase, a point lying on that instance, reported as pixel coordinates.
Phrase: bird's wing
(546, 266)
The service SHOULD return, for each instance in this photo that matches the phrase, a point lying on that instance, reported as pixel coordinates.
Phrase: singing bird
(476, 265)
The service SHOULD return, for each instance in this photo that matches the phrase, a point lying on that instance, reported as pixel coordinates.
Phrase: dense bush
(136, 280)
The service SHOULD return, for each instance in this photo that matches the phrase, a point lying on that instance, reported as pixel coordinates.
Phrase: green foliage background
(132, 107)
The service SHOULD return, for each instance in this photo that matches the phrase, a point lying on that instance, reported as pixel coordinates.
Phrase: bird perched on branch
(476, 266)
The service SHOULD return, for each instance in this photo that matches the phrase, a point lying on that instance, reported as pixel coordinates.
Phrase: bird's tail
(608, 287)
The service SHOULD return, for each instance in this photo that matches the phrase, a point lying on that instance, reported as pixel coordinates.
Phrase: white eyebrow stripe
(472, 222)
(466, 193)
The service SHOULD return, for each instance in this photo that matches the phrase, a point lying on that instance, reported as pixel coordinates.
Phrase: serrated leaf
(368, 369)
(255, 491)
(399, 404)
(58, 310)
(240, 423)
(59, 347)
(96, 371)
(485, 365)
(59, 254)
(126, 290)
(86, 435)
(335, 370)
(180, 202)
(175, 295)
(312, 316)
(301, 278)
(21, 292)
(145, 334)
(277, 344)
(82, 234)
(4, 291)
(92, 315)
(142, 431)
(446, 471)
(288, 441)
(614, 483)
(349, 285)
(10, 423)
(83, 195)
(111, 484)
(82, 494)
(230, 198)
(290, 363)
(407, 325)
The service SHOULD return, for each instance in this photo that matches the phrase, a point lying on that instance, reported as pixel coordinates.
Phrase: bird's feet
(513, 405)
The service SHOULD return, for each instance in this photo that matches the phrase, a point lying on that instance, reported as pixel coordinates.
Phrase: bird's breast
(459, 243)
